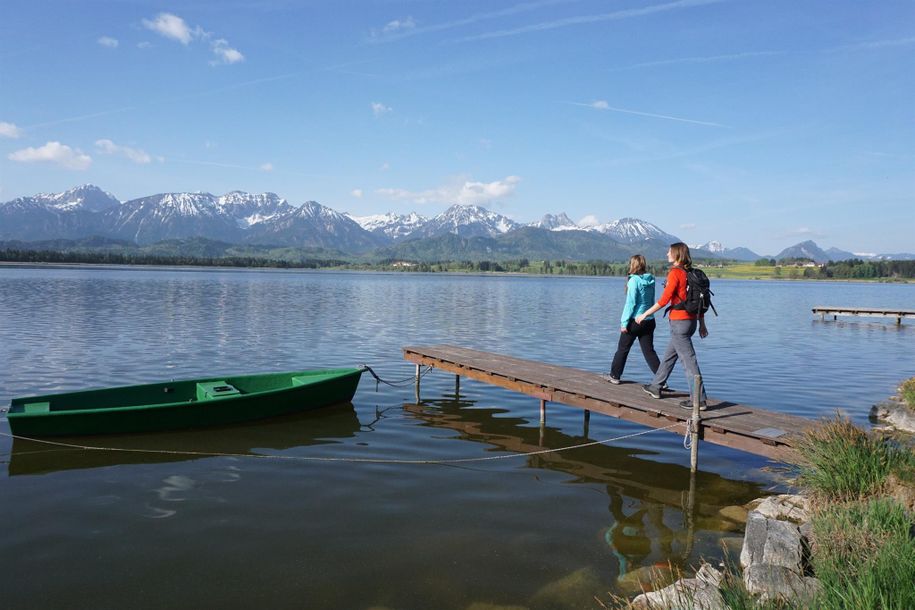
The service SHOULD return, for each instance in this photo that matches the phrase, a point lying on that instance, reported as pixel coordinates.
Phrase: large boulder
(773, 542)
(897, 414)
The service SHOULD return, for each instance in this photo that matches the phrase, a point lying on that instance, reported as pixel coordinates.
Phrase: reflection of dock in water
(656, 508)
(279, 433)
(738, 426)
(620, 468)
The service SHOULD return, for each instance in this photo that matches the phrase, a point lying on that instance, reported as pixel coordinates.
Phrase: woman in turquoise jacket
(639, 297)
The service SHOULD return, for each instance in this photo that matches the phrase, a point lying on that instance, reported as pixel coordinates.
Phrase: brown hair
(681, 254)
(637, 264)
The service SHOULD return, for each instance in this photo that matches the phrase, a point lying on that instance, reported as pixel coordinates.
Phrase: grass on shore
(908, 392)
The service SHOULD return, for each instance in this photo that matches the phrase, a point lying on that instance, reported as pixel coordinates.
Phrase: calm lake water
(118, 530)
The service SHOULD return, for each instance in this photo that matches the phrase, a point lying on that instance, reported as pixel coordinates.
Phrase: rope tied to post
(352, 460)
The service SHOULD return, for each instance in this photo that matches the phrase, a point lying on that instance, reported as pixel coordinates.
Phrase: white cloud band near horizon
(53, 152)
(463, 192)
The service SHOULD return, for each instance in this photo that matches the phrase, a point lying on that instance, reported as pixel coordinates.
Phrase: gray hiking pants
(680, 347)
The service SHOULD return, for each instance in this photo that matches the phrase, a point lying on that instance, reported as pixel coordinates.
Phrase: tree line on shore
(849, 269)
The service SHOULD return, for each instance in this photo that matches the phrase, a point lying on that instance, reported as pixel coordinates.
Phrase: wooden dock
(742, 427)
(835, 312)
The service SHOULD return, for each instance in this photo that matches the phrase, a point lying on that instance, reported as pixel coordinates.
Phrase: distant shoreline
(369, 269)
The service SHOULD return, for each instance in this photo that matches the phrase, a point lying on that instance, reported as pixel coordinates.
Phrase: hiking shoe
(652, 390)
(688, 404)
(665, 387)
(610, 378)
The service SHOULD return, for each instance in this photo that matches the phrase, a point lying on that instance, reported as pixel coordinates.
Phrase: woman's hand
(703, 330)
(639, 318)
(623, 330)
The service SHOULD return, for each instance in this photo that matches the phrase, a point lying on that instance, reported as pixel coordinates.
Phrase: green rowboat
(172, 405)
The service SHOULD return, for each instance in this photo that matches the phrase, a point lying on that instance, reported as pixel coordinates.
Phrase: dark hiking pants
(644, 332)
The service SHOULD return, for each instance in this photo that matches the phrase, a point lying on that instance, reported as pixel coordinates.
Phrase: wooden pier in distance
(766, 433)
(835, 312)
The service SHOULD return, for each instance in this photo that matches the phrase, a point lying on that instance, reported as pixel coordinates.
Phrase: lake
(130, 530)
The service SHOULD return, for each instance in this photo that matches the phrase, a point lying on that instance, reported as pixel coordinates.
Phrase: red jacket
(675, 292)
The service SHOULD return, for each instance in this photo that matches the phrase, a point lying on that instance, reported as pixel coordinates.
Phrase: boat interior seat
(215, 389)
(37, 407)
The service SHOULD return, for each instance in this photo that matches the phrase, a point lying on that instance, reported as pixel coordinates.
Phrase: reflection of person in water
(628, 537)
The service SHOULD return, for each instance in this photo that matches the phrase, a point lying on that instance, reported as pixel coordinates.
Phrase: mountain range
(462, 232)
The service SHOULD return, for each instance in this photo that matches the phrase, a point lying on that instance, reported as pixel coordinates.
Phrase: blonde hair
(637, 264)
(681, 254)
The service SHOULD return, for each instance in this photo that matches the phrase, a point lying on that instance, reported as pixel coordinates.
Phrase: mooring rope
(399, 382)
(308, 458)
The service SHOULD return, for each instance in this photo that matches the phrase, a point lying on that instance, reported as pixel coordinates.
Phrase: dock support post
(418, 377)
(694, 425)
(587, 422)
(542, 411)
(457, 386)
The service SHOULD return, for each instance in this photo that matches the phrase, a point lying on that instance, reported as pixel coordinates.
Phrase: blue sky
(756, 123)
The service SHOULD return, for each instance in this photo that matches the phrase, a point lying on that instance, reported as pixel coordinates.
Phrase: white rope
(337, 459)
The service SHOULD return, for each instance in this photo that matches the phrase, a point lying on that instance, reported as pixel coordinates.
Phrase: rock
(772, 542)
(699, 593)
(737, 514)
(788, 507)
(577, 590)
(902, 492)
(645, 578)
(897, 414)
(771, 582)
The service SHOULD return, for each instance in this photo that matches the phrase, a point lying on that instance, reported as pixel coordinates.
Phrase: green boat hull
(193, 403)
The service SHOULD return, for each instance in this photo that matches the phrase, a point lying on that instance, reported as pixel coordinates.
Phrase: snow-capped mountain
(313, 224)
(393, 226)
(248, 209)
(633, 231)
(170, 216)
(558, 222)
(467, 221)
(715, 247)
(87, 197)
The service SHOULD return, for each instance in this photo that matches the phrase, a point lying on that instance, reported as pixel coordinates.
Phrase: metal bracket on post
(418, 377)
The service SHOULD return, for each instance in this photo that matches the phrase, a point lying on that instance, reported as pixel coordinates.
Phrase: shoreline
(337, 269)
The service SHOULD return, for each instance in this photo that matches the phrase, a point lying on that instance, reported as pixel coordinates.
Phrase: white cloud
(600, 105)
(171, 26)
(357, 193)
(136, 155)
(379, 109)
(9, 130)
(399, 25)
(804, 232)
(485, 143)
(144, 44)
(267, 167)
(225, 53)
(385, 166)
(53, 152)
(588, 221)
(108, 41)
(688, 225)
(464, 192)
(174, 27)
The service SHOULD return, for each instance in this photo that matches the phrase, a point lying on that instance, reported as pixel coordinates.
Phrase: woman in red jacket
(682, 327)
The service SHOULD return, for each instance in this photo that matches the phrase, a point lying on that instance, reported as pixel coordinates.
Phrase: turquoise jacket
(639, 297)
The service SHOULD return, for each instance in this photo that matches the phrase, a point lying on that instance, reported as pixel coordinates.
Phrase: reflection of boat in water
(174, 405)
(279, 433)
(652, 516)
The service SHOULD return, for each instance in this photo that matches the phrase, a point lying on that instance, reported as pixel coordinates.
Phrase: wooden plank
(733, 425)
